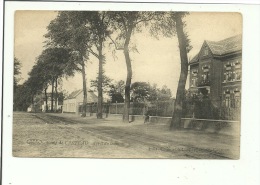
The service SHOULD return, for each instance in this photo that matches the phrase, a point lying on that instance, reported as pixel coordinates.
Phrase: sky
(157, 60)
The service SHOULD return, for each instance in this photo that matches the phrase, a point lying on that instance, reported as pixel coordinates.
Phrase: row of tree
(75, 35)
(48, 70)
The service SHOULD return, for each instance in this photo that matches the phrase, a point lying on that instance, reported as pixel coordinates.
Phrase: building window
(237, 97)
(228, 73)
(237, 65)
(228, 76)
(228, 67)
(194, 82)
(206, 51)
(194, 78)
(238, 75)
(231, 98)
(205, 77)
(227, 100)
(232, 71)
(237, 71)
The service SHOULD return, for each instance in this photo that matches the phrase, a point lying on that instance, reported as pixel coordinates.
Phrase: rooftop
(223, 47)
(91, 96)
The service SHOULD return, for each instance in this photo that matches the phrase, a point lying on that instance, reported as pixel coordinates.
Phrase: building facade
(74, 101)
(216, 72)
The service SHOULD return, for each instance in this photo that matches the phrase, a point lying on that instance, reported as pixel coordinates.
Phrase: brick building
(216, 71)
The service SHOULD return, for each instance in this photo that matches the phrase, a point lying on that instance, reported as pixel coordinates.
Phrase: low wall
(132, 118)
(207, 125)
(213, 126)
(158, 119)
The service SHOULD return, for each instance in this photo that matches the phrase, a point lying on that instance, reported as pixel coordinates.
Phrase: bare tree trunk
(100, 80)
(56, 94)
(52, 89)
(177, 114)
(129, 76)
(84, 106)
(46, 99)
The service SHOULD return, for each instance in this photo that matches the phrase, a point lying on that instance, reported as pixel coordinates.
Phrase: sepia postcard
(102, 81)
(127, 84)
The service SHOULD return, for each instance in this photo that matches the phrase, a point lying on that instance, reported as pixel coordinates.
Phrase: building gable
(205, 51)
(74, 94)
(226, 46)
(78, 96)
(219, 48)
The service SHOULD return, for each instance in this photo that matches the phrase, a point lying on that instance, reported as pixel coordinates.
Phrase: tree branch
(144, 20)
(123, 21)
(121, 48)
(93, 53)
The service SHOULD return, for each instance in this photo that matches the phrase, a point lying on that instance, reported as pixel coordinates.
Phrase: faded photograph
(127, 84)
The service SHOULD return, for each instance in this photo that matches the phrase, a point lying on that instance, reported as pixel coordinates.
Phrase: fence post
(90, 109)
(107, 109)
(116, 107)
(157, 107)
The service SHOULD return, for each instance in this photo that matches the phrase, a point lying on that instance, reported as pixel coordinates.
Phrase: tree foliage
(143, 91)
(164, 24)
(69, 31)
(140, 91)
(106, 83)
(17, 72)
(117, 91)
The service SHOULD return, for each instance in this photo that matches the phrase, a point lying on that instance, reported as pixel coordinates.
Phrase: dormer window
(206, 51)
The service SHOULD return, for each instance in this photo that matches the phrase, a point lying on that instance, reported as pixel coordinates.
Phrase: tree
(91, 27)
(69, 31)
(17, 68)
(164, 94)
(97, 25)
(126, 22)
(106, 83)
(22, 97)
(184, 48)
(116, 92)
(140, 91)
(169, 24)
(143, 91)
(52, 64)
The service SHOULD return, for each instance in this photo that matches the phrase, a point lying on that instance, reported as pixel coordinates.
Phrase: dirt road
(65, 135)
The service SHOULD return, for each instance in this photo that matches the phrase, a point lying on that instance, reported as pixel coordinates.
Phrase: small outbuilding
(73, 102)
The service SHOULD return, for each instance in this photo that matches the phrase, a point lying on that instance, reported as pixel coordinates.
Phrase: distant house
(74, 101)
(39, 104)
(48, 107)
(215, 71)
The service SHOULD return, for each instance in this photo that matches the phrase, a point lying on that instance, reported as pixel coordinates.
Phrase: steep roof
(223, 47)
(74, 94)
(195, 59)
(226, 46)
(91, 96)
